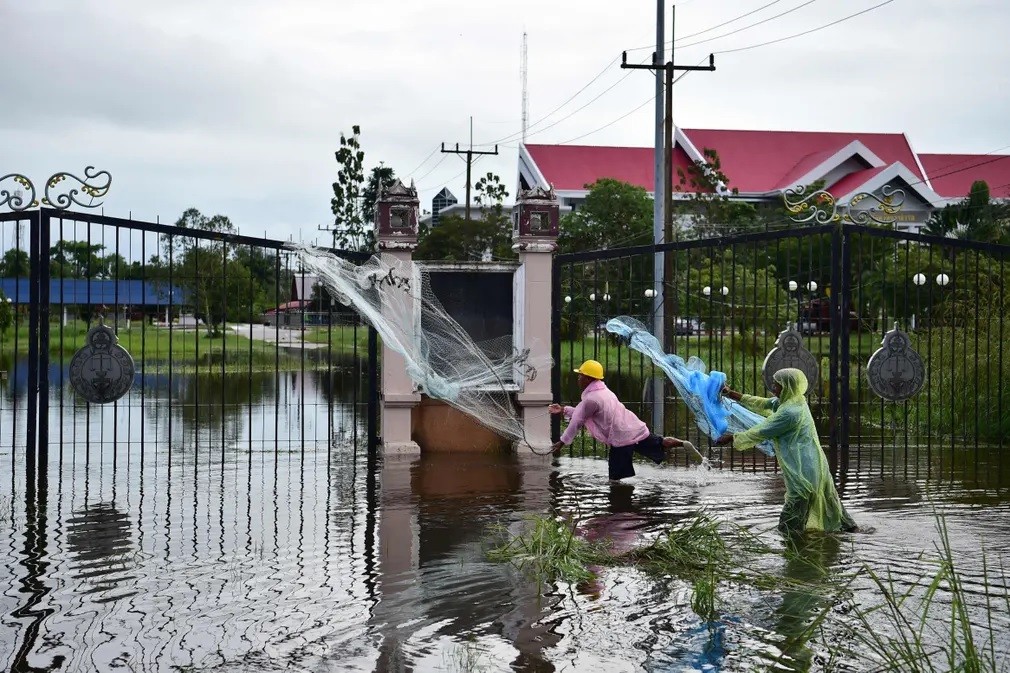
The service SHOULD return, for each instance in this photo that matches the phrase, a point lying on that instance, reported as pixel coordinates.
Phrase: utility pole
(470, 154)
(663, 300)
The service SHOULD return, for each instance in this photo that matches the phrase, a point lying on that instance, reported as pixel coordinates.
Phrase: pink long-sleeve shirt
(606, 419)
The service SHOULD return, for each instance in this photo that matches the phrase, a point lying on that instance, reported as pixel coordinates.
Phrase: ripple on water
(309, 561)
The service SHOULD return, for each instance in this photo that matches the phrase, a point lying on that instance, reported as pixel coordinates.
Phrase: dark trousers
(619, 460)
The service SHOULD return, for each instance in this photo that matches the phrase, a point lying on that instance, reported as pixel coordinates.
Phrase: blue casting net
(700, 389)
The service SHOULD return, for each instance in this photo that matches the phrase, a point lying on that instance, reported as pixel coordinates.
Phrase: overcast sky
(236, 107)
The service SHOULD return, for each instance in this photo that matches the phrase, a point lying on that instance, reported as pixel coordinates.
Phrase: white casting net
(440, 357)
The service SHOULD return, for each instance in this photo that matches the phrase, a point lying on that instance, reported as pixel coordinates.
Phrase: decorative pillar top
(396, 216)
(535, 220)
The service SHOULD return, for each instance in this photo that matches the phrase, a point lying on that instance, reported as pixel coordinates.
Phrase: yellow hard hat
(591, 368)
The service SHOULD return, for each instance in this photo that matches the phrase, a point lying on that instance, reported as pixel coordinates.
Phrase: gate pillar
(535, 235)
(396, 217)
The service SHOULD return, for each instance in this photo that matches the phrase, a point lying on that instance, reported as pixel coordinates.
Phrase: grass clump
(931, 630)
(550, 550)
(689, 549)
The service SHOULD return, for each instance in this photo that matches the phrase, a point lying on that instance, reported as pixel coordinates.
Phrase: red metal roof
(754, 161)
(762, 161)
(952, 174)
(572, 167)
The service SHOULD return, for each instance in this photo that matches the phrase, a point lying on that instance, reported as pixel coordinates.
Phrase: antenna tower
(524, 68)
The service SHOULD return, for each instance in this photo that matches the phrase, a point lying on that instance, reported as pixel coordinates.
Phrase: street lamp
(592, 297)
(725, 290)
(568, 299)
(793, 285)
(812, 286)
(707, 291)
(650, 293)
(919, 279)
(942, 280)
(606, 297)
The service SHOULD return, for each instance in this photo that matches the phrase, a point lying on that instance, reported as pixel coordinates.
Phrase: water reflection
(99, 539)
(262, 556)
(810, 561)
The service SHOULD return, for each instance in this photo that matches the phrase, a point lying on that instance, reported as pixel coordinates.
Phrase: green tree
(354, 198)
(217, 285)
(744, 293)
(615, 214)
(458, 239)
(710, 207)
(6, 314)
(77, 259)
(975, 218)
(15, 264)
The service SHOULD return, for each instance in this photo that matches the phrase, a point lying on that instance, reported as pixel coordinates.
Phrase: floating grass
(550, 550)
(689, 549)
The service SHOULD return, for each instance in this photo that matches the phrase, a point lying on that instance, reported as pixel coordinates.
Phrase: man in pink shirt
(610, 423)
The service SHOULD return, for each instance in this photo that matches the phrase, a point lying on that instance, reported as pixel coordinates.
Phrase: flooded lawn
(315, 561)
(244, 548)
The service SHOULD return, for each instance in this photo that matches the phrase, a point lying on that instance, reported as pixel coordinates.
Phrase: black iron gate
(844, 286)
(227, 359)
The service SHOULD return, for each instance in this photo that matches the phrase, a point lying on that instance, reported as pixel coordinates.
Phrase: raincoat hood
(794, 384)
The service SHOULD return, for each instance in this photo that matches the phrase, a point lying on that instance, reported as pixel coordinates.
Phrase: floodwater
(218, 540)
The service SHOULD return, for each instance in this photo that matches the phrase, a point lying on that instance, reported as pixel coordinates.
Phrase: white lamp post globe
(650, 293)
(793, 285)
(725, 290)
(606, 297)
(592, 297)
(812, 286)
(706, 290)
(942, 279)
(919, 279)
(568, 299)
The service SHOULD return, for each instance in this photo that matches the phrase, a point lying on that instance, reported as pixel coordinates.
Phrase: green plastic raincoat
(811, 499)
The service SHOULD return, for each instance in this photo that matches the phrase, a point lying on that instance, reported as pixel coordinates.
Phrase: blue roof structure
(97, 292)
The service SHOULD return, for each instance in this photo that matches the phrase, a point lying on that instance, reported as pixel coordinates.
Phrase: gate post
(844, 308)
(841, 301)
(534, 234)
(396, 235)
(835, 416)
(34, 274)
(44, 313)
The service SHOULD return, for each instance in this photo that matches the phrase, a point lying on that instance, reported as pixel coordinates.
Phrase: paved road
(291, 338)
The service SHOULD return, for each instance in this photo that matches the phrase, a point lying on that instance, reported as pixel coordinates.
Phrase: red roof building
(762, 165)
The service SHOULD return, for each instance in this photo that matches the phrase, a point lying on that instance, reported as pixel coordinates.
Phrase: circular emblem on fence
(102, 371)
(896, 371)
(790, 352)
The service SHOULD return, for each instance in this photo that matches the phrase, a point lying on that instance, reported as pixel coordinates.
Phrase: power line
(710, 28)
(966, 168)
(749, 26)
(513, 136)
(471, 154)
(726, 23)
(626, 114)
(423, 162)
(805, 32)
(611, 123)
(430, 170)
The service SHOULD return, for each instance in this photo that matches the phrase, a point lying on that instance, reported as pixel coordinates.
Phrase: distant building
(762, 165)
(442, 200)
(137, 294)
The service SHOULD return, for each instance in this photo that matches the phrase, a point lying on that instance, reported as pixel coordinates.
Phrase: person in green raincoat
(811, 499)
